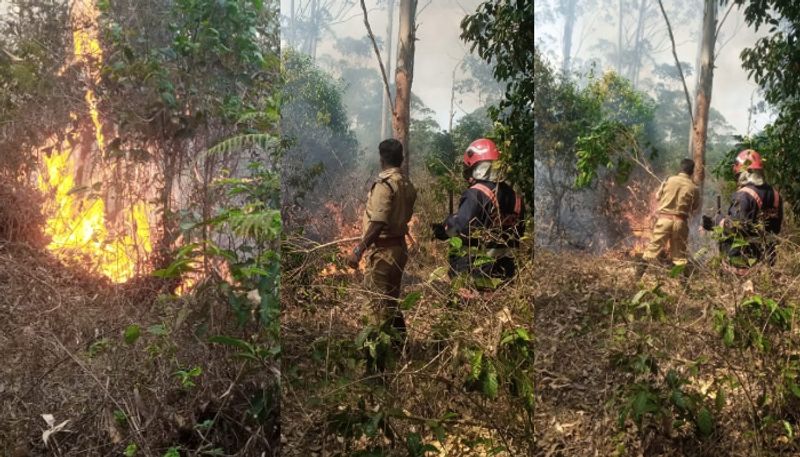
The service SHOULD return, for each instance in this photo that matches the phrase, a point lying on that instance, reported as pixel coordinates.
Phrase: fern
(260, 226)
(239, 142)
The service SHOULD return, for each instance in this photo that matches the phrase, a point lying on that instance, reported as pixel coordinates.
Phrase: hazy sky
(731, 91)
(438, 47)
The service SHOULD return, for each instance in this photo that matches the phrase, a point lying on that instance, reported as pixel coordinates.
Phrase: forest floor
(128, 366)
(334, 407)
(664, 365)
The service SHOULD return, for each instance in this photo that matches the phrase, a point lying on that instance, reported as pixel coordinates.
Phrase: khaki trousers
(383, 275)
(672, 230)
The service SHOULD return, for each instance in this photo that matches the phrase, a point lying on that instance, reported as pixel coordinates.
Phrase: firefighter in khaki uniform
(389, 208)
(678, 198)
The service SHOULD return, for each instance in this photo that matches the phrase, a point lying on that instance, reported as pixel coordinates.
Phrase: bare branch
(719, 27)
(378, 55)
(677, 61)
(419, 12)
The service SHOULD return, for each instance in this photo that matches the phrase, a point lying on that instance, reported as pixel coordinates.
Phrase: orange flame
(77, 222)
(639, 218)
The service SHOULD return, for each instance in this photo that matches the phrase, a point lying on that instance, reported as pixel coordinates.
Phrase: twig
(378, 55)
(325, 245)
(719, 27)
(86, 369)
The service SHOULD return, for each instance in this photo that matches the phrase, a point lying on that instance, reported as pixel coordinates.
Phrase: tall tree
(404, 75)
(702, 99)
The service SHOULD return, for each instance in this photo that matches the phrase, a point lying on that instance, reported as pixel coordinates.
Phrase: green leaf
(233, 342)
(794, 389)
(157, 329)
(120, 417)
(728, 335)
(132, 333)
(439, 274)
(489, 382)
(677, 270)
(679, 400)
(410, 300)
(719, 401)
(130, 451)
(705, 422)
(644, 402)
(787, 427)
(476, 364)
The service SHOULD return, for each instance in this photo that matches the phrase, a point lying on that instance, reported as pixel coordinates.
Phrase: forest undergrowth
(130, 367)
(674, 363)
(461, 387)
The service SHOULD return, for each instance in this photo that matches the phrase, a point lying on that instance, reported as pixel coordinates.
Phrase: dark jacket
(476, 211)
(748, 221)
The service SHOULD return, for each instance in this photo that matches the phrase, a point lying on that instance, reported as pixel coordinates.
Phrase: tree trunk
(404, 75)
(385, 111)
(569, 25)
(702, 99)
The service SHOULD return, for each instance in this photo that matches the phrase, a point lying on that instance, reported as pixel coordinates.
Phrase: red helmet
(480, 150)
(748, 159)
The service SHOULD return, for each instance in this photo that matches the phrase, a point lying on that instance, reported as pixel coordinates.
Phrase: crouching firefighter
(489, 220)
(754, 217)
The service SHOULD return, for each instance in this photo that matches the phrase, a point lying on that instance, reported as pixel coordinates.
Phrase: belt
(390, 242)
(674, 217)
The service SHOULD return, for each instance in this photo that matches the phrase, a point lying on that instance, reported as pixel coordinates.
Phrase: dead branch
(677, 62)
(378, 55)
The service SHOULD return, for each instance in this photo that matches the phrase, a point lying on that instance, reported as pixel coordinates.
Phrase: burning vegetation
(77, 179)
(132, 172)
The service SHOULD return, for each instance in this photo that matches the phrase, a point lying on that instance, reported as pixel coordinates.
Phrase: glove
(439, 231)
(708, 224)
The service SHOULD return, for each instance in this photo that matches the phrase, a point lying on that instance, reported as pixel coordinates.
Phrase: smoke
(595, 40)
(438, 49)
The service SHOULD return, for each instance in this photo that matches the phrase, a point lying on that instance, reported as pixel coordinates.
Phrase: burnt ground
(64, 354)
(598, 347)
(333, 407)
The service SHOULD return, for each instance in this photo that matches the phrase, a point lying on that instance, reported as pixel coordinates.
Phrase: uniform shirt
(391, 201)
(678, 196)
(476, 210)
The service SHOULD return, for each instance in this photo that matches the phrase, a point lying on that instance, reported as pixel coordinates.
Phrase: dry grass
(581, 391)
(324, 373)
(64, 354)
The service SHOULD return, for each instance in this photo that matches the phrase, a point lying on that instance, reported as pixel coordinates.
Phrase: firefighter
(754, 217)
(678, 197)
(390, 205)
(489, 220)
